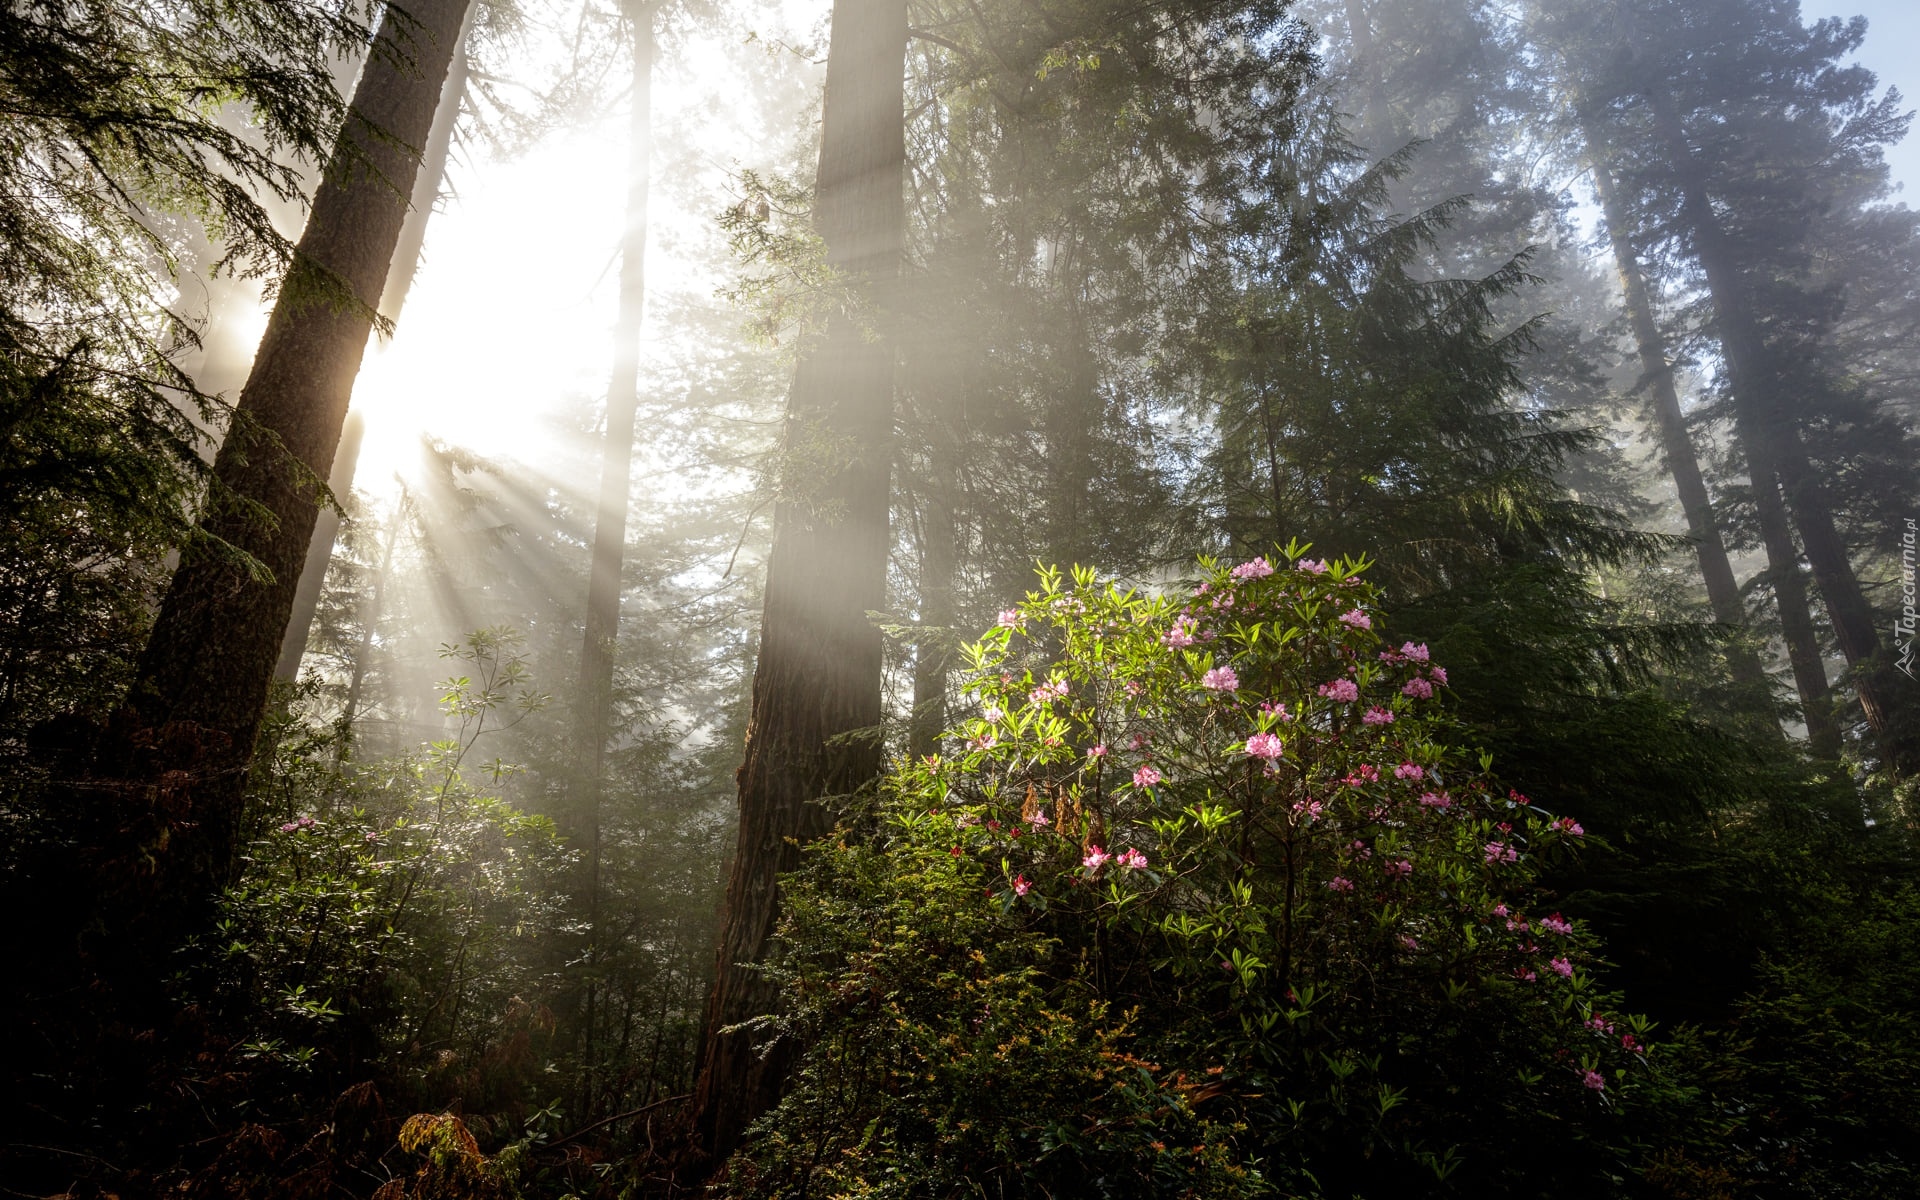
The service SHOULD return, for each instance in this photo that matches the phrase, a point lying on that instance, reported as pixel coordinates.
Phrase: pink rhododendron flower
(1346, 691)
(991, 712)
(1407, 770)
(1400, 867)
(1340, 883)
(1309, 809)
(1312, 566)
(1594, 1080)
(1556, 924)
(1417, 653)
(1356, 619)
(1264, 745)
(1133, 687)
(1147, 776)
(1378, 716)
(1010, 618)
(1524, 975)
(1099, 751)
(1438, 674)
(1095, 858)
(1220, 679)
(1132, 860)
(1137, 742)
(1439, 800)
(1570, 826)
(1500, 910)
(1040, 819)
(1275, 708)
(1181, 635)
(1407, 942)
(1562, 968)
(1258, 568)
(1022, 885)
(985, 741)
(1419, 689)
(1496, 852)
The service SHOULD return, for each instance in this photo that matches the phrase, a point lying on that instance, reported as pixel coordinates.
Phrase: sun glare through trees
(927, 599)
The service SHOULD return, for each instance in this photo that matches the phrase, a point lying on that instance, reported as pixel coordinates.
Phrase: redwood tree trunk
(1676, 446)
(816, 688)
(207, 668)
(594, 715)
(400, 276)
(1773, 449)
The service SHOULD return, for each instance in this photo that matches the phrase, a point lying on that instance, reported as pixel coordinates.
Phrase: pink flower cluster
(1181, 635)
(1052, 689)
(299, 826)
(1345, 691)
(1132, 860)
(1419, 689)
(1407, 770)
(1340, 884)
(1095, 858)
(1499, 852)
(1556, 924)
(1258, 568)
(1147, 776)
(1312, 566)
(1264, 745)
(1439, 800)
(1569, 826)
(1378, 716)
(1355, 619)
(1010, 618)
(1220, 679)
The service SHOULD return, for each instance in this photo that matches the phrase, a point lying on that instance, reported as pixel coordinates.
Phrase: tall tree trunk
(594, 715)
(1366, 66)
(326, 530)
(1676, 445)
(932, 658)
(816, 688)
(400, 277)
(1773, 447)
(209, 662)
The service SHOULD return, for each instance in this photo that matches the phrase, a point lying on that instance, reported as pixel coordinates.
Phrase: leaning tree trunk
(1774, 449)
(400, 277)
(207, 668)
(816, 688)
(1676, 445)
(594, 715)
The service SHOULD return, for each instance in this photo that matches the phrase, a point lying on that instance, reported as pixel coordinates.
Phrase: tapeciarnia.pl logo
(1903, 626)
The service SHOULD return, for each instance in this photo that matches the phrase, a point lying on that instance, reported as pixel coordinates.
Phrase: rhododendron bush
(1201, 901)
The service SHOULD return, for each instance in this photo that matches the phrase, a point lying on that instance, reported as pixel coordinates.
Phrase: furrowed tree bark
(1774, 449)
(209, 663)
(405, 268)
(1676, 445)
(594, 716)
(816, 688)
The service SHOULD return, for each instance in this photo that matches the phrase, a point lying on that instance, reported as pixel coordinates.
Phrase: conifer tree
(210, 659)
(816, 687)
